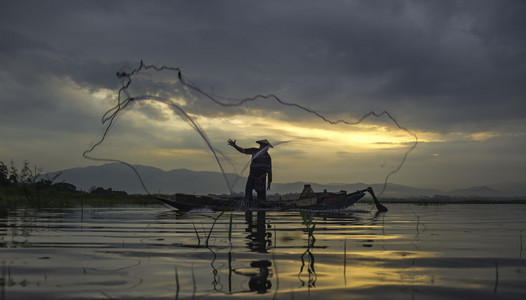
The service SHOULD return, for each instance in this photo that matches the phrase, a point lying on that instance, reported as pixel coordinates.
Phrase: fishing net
(164, 119)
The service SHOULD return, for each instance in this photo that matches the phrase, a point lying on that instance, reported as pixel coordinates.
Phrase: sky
(451, 73)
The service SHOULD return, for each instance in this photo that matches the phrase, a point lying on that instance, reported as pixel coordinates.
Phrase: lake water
(451, 251)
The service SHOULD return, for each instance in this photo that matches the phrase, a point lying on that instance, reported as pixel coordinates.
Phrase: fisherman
(260, 166)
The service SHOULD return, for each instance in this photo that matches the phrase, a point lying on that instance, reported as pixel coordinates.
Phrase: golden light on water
(354, 255)
(362, 237)
(358, 269)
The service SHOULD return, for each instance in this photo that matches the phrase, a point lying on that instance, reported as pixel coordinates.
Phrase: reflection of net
(191, 91)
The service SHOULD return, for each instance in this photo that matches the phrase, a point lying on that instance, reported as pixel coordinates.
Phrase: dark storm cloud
(31, 60)
(461, 60)
(31, 97)
(455, 58)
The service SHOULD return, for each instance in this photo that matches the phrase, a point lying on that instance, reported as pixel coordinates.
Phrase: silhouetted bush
(108, 191)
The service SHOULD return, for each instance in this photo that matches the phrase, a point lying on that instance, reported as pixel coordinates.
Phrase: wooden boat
(307, 200)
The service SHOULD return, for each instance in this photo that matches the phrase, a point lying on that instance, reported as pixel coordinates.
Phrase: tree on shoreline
(29, 180)
(4, 174)
(28, 186)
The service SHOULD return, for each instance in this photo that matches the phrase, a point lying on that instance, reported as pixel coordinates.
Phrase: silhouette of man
(260, 167)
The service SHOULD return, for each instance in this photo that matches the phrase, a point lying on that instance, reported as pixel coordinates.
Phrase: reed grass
(193, 282)
(418, 221)
(212, 227)
(308, 221)
(230, 230)
(345, 262)
(310, 225)
(496, 277)
(520, 236)
(177, 286)
(209, 233)
(197, 235)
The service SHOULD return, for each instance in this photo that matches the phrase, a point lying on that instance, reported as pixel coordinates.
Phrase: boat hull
(315, 202)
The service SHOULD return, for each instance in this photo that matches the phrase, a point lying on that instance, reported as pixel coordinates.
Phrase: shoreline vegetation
(27, 187)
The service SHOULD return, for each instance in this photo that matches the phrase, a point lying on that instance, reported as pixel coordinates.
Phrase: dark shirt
(260, 161)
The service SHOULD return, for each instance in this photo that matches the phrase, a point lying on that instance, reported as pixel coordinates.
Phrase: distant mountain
(120, 177)
(476, 191)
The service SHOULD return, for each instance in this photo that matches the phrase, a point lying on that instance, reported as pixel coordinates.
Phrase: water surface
(449, 251)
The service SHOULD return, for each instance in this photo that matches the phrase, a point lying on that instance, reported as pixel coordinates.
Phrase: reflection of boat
(307, 200)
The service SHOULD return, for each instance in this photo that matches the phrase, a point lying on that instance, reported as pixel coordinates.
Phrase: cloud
(447, 70)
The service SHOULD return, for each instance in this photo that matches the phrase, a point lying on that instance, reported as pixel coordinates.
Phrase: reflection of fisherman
(259, 240)
(260, 282)
(260, 166)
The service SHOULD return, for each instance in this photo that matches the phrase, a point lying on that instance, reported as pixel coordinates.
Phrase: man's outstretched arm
(233, 144)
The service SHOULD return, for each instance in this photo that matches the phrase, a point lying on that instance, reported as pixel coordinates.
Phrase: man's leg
(262, 192)
(260, 186)
(249, 187)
